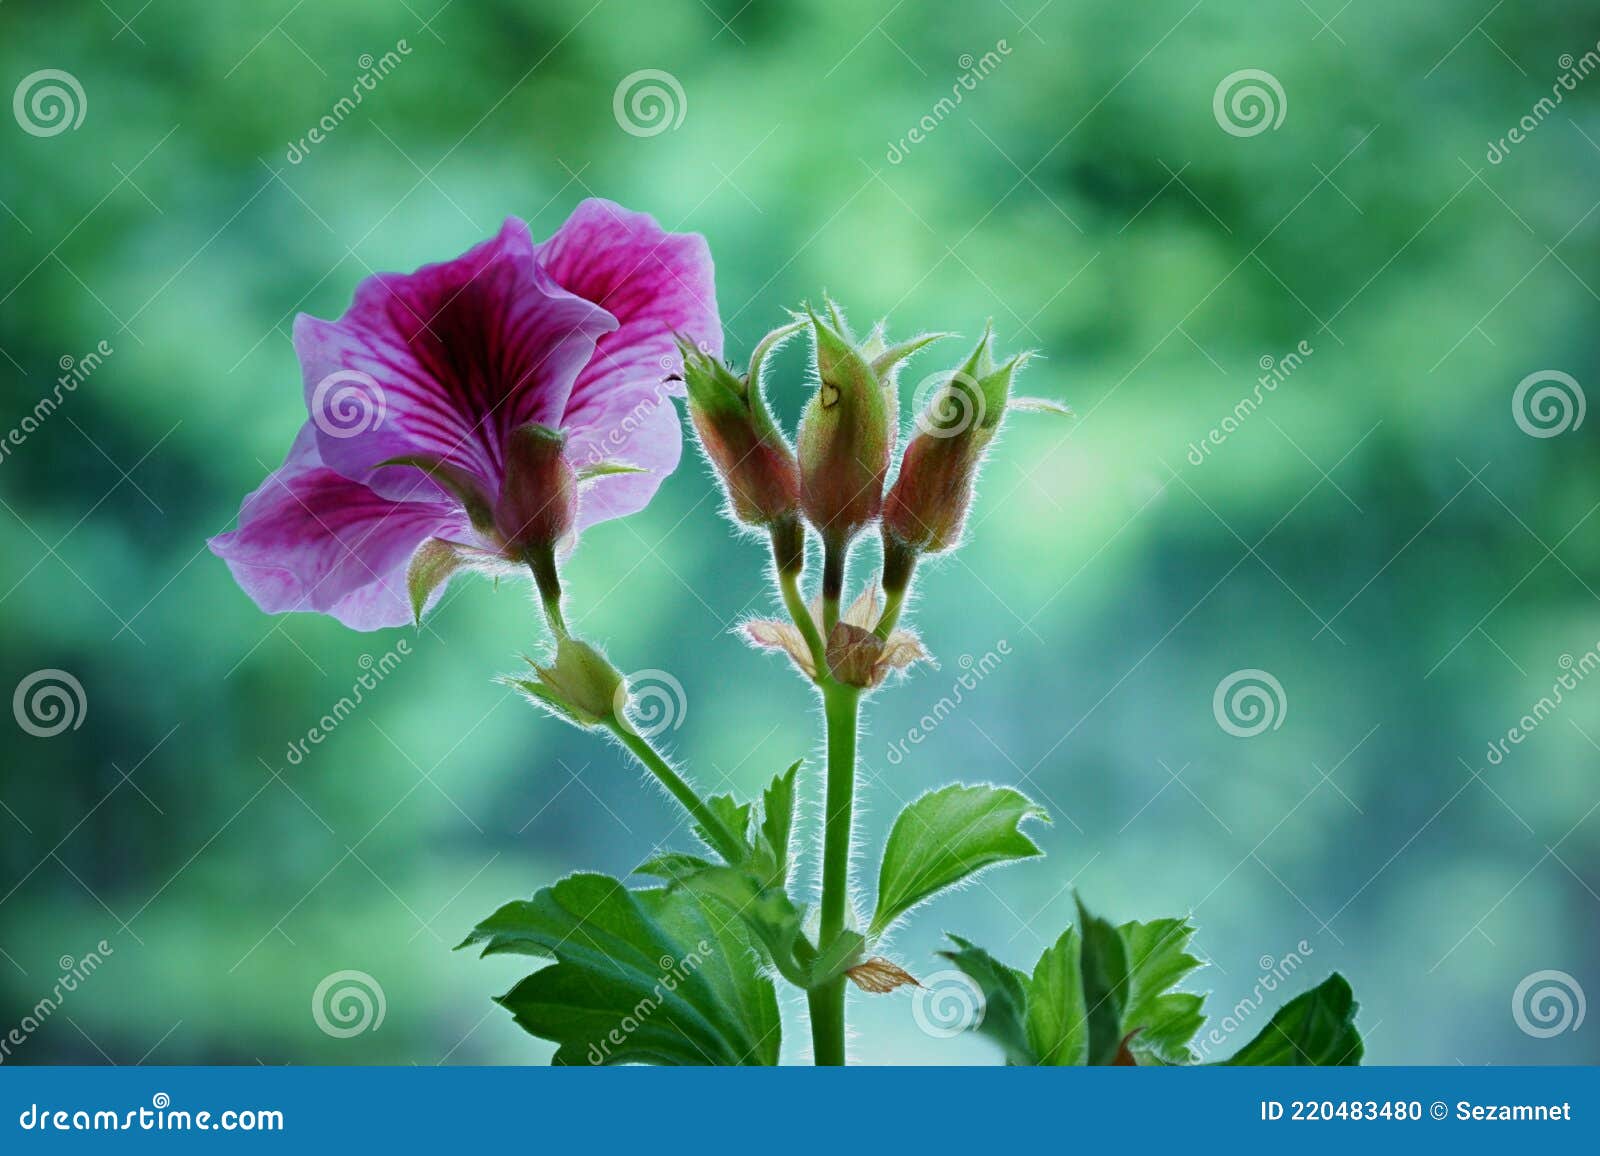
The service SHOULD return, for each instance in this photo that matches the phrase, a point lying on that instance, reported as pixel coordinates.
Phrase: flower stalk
(841, 709)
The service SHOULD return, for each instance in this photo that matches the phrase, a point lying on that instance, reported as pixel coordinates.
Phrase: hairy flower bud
(751, 457)
(579, 685)
(845, 436)
(539, 497)
(926, 507)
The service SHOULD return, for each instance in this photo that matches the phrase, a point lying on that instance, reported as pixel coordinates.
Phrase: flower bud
(580, 686)
(539, 497)
(751, 457)
(926, 507)
(845, 437)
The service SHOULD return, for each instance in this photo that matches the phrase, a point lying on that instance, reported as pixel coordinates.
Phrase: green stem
(730, 846)
(789, 585)
(841, 705)
(894, 601)
(899, 562)
(826, 1004)
(543, 564)
(835, 552)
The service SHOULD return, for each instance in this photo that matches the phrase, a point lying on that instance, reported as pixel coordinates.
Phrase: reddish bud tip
(539, 498)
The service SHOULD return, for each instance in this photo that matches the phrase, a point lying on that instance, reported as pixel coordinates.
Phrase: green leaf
(1105, 984)
(673, 866)
(768, 913)
(1315, 1029)
(1005, 1000)
(734, 815)
(1166, 1020)
(1058, 1023)
(946, 836)
(777, 822)
(655, 977)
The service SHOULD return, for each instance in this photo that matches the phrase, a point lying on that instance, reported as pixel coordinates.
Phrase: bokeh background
(1381, 535)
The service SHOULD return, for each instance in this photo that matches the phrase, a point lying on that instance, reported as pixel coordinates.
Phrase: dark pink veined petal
(445, 362)
(653, 282)
(311, 539)
(656, 284)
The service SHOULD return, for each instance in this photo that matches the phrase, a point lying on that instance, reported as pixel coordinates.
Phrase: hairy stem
(543, 564)
(835, 552)
(729, 845)
(894, 601)
(841, 705)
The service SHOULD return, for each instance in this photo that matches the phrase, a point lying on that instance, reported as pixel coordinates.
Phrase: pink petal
(645, 434)
(311, 539)
(444, 362)
(656, 284)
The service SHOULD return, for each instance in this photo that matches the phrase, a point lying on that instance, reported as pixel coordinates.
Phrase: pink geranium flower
(514, 395)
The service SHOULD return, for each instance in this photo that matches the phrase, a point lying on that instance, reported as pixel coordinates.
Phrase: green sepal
(1041, 405)
(606, 469)
(461, 485)
(431, 567)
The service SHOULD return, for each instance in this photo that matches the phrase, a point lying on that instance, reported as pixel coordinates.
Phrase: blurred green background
(1380, 535)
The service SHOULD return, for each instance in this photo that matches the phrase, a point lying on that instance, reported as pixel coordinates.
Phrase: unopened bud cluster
(837, 475)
